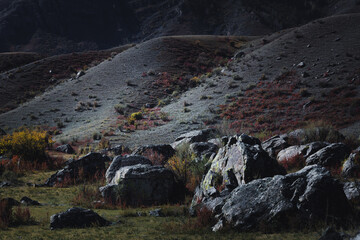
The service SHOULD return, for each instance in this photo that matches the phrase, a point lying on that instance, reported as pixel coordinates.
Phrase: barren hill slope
(86, 105)
(274, 83)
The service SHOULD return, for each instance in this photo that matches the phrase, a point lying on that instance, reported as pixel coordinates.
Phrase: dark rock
(9, 202)
(314, 147)
(142, 185)
(77, 218)
(351, 167)
(330, 156)
(203, 150)
(89, 166)
(331, 234)
(306, 196)
(275, 144)
(29, 202)
(156, 213)
(65, 149)
(120, 149)
(5, 184)
(2, 132)
(163, 152)
(194, 136)
(235, 164)
(119, 162)
(305, 74)
(352, 191)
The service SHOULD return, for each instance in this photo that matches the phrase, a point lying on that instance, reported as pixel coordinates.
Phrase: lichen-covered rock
(163, 152)
(77, 218)
(124, 161)
(65, 149)
(89, 166)
(330, 156)
(306, 196)
(142, 185)
(240, 161)
(351, 167)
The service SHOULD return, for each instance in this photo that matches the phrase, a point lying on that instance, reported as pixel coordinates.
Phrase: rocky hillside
(63, 26)
(274, 83)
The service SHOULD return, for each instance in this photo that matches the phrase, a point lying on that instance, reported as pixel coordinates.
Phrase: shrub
(135, 116)
(187, 171)
(180, 163)
(29, 145)
(321, 131)
(9, 217)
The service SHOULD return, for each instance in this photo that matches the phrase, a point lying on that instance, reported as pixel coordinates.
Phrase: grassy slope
(173, 226)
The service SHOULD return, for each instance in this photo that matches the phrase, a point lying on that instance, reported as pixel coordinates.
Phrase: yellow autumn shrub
(28, 144)
(135, 116)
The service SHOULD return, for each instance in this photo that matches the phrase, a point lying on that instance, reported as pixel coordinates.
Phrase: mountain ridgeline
(63, 26)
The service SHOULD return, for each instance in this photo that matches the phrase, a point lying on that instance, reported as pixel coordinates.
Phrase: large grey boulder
(66, 148)
(124, 161)
(77, 218)
(160, 153)
(239, 162)
(306, 196)
(351, 167)
(142, 185)
(87, 167)
(330, 156)
(194, 136)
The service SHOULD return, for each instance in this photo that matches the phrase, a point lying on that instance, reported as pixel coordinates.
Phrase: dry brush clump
(187, 170)
(14, 216)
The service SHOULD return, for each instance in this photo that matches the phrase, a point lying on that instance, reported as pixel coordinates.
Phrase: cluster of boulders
(245, 184)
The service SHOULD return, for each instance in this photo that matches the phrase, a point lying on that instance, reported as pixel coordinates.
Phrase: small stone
(301, 65)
